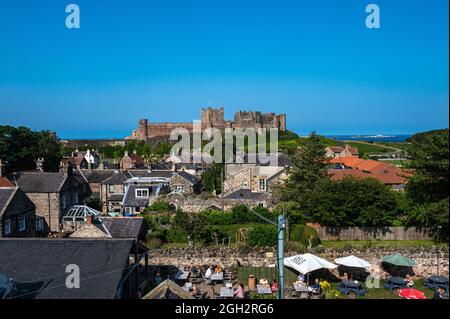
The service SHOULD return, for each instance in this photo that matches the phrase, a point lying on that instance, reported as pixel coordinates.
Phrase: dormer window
(262, 184)
(142, 193)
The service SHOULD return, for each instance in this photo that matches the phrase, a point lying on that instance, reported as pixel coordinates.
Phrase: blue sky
(165, 59)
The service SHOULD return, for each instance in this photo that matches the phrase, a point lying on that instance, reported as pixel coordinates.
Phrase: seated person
(239, 292)
(193, 290)
(345, 277)
(316, 286)
(263, 281)
(158, 278)
(218, 269)
(209, 272)
(274, 286)
(409, 281)
(301, 278)
(440, 294)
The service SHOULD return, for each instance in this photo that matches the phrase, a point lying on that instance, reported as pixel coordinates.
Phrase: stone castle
(212, 118)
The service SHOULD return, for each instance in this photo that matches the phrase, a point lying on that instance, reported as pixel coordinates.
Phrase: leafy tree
(353, 202)
(211, 179)
(21, 147)
(308, 170)
(428, 188)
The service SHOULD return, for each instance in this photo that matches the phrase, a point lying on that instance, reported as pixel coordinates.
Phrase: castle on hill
(212, 118)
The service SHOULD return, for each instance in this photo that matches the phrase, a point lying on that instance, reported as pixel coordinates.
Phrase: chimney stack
(40, 164)
(89, 219)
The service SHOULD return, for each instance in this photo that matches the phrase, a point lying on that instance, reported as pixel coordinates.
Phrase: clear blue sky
(164, 60)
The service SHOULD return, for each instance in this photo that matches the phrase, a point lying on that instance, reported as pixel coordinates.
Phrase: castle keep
(212, 118)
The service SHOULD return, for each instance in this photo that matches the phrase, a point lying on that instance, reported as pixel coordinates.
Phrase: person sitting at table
(263, 281)
(440, 294)
(218, 269)
(208, 273)
(158, 278)
(409, 281)
(274, 286)
(345, 277)
(301, 278)
(316, 286)
(239, 292)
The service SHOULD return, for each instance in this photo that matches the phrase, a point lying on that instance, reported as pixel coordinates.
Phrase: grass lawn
(360, 244)
(383, 293)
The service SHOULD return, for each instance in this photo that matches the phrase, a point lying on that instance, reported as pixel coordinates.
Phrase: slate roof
(116, 197)
(192, 179)
(102, 265)
(131, 200)
(125, 227)
(40, 182)
(118, 178)
(244, 194)
(6, 194)
(146, 173)
(97, 175)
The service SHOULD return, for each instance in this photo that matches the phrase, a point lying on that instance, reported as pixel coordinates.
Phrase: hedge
(303, 233)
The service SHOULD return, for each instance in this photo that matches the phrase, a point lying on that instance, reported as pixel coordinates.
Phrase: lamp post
(437, 250)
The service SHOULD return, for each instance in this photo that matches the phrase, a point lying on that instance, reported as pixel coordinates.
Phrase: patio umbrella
(352, 261)
(398, 260)
(411, 293)
(307, 262)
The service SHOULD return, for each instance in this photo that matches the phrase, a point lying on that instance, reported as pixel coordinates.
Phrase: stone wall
(371, 233)
(425, 258)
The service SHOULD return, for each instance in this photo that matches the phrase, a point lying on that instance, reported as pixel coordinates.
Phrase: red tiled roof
(394, 176)
(4, 182)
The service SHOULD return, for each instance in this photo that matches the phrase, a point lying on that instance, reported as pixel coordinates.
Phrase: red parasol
(411, 293)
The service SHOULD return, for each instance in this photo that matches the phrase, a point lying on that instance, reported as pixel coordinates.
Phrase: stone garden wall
(425, 258)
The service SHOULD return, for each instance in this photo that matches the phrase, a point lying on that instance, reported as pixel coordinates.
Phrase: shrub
(154, 243)
(304, 235)
(176, 235)
(160, 206)
(262, 235)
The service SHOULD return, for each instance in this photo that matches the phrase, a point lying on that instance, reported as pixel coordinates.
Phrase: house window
(142, 193)
(112, 188)
(22, 224)
(75, 198)
(40, 224)
(7, 226)
(262, 184)
(64, 201)
(179, 188)
(128, 210)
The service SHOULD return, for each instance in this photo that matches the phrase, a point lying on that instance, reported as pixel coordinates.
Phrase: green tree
(211, 179)
(428, 188)
(308, 170)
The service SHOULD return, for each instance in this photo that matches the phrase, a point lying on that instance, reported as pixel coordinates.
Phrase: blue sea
(372, 137)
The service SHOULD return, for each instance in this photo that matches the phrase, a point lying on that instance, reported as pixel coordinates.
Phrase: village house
(341, 167)
(112, 191)
(341, 151)
(17, 213)
(129, 161)
(111, 268)
(185, 183)
(53, 193)
(82, 160)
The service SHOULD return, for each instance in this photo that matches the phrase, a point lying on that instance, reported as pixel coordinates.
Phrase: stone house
(129, 161)
(17, 213)
(53, 193)
(185, 183)
(112, 191)
(339, 151)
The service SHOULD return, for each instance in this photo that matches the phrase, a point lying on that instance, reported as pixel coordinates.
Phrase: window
(128, 210)
(244, 185)
(7, 226)
(142, 193)
(64, 201)
(40, 224)
(112, 188)
(22, 224)
(262, 184)
(178, 188)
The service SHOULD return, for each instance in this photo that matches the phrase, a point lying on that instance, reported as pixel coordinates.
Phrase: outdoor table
(434, 282)
(263, 289)
(395, 283)
(302, 290)
(226, 292)
(217, 277)
(182, 275)
(348, 286)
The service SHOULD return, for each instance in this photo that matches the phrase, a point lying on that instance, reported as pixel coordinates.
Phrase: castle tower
(143, 130)
(213, 118)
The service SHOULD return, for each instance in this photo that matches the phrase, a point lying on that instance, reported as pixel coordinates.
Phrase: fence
(371, 233)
